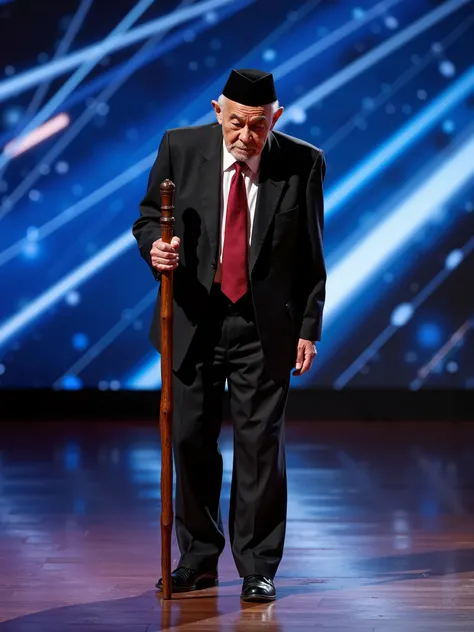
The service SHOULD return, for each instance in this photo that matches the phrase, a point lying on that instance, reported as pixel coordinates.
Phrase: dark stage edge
(315, 404)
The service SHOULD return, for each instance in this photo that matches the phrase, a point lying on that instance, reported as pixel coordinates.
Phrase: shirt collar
(228, 161)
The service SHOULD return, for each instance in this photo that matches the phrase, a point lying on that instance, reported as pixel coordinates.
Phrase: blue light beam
(114, 42)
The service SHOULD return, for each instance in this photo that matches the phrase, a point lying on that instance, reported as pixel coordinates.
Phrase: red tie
(234, 257)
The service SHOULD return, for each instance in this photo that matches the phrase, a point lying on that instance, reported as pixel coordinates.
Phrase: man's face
(245, 128)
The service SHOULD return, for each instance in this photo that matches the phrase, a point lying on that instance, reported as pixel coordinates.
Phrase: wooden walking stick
(166, 404)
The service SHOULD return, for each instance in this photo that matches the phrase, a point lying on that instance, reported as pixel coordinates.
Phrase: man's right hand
(165, 256)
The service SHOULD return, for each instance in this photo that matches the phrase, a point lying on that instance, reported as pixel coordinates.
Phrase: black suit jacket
(286, 263)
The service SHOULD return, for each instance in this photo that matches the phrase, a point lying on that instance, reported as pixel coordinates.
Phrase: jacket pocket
(285, 216)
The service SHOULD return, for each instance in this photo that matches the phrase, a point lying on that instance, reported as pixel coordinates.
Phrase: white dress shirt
(250, 174)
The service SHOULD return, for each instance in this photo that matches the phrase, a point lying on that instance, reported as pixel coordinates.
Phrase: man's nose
(245, 135)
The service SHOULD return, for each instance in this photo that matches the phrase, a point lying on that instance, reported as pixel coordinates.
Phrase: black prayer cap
(249, 86)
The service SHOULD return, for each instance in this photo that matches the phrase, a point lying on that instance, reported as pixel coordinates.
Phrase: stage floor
(380, 532)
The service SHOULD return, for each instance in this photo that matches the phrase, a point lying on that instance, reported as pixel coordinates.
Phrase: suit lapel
(270, 189)
(210, 182)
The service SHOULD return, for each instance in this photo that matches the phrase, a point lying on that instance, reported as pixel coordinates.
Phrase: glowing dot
(469, 206)
(429, 335)
(71, 383)
(62, 167)
(269, 54)
(9, 71)
(421, 94)
(297, 115)
(358, 13)
(452, 367)
(454, 259)
(44, 169)
(410, 357)
(391, 22)
(193, 65)
(80, 341)
(12, 116)
(401, 314)
(367, 103)
(7, 204)
(390, 108)
(114, 385)
(448, 126)
(437, 48)
(447, 68)
(127, 314)
(103, 385)
(34, 195)
(211, 17)
(2, 369)
(32, 233)
(210, 61)
(73, 298)
(31, 249)
(102, 109)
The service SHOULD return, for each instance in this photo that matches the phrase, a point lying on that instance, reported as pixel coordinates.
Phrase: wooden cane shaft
(166, 404)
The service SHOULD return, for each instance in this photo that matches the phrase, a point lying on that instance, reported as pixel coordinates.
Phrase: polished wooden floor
(380, 532)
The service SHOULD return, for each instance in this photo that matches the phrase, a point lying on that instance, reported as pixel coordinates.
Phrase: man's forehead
(246, 110)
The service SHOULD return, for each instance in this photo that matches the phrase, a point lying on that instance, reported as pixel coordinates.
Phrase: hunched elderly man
(249, 290)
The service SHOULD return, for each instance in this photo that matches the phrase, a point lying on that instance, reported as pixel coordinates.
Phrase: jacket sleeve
(313, 271)
(146, 229)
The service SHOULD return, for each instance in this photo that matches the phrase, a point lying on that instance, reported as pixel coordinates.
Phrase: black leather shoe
(186, 579)
(258, 588)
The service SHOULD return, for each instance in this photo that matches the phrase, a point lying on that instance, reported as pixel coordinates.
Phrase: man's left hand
(305, 356)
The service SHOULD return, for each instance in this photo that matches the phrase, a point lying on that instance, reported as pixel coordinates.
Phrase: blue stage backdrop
(386, 88)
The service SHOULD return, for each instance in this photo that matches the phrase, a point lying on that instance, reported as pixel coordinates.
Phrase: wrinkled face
(245, 128)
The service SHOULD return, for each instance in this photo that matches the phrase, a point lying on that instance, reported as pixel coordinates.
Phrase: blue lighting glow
(383, 88)
(80, 341)
(429, 335)
(72, 457)
(454, 259)
(402, 314)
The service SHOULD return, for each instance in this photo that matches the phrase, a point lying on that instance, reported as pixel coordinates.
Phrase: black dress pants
(227, 346)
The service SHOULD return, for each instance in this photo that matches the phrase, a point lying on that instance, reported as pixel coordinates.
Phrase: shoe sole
(257, 598)
(204, 582)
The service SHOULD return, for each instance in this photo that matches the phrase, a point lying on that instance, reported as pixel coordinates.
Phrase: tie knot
(239, 167)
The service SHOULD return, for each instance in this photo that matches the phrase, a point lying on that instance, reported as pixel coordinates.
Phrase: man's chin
(240, 154)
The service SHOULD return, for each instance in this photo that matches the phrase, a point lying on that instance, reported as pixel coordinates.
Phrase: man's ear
(218, 111)
(276, 116)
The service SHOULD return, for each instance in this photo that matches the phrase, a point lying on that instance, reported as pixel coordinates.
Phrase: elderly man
(249, 290)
